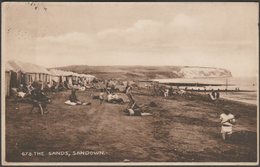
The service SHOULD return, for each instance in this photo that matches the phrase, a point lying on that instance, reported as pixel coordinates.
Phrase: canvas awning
(56, 72)
(8, 67)
(26, 67)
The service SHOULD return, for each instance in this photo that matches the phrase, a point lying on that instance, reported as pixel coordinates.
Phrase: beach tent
(61, 76)
(8, 73)
(85, 78)
(70, 77)
(55, 75)
(27, 73)
(90, 78)
(75, 76)
(58, 75)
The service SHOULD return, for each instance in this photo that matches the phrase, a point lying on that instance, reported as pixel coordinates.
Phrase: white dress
(227, 126)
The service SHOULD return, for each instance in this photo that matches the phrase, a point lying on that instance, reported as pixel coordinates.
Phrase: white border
(3, 157)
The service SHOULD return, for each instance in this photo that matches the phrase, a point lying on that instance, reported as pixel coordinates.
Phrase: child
(227, 120)
(166, 93)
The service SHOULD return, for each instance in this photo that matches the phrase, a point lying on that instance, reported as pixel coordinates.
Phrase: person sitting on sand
(114, 98)
(61, 86)
(134, 110)
(73, 100)
(227, 121)
(73, 97)
(22, 88)
(21, 91)
(214, 95)
(128, 89)
(181, 92)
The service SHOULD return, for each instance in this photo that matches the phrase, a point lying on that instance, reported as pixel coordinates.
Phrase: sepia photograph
(129, 83)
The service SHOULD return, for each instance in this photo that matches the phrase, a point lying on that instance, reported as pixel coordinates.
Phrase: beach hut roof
(57, 72)
(75, 74)
(8, 67)
(89, 76)
(83, 75)
(27, 67)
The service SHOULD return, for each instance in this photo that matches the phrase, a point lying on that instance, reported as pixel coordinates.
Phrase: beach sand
(181, 129)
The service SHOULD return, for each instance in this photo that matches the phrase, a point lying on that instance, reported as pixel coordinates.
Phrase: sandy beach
(180, 129)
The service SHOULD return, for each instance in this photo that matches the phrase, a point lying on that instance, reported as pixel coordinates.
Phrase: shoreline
(247, 102)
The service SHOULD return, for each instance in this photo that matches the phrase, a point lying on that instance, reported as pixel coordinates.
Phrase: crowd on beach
(111, 91)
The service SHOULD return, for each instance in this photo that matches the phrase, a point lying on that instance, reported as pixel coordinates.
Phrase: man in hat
(227, 121)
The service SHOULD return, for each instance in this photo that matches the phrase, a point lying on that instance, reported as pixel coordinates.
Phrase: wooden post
(226, 85)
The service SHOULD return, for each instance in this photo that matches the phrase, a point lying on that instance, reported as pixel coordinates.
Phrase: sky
(223, 35)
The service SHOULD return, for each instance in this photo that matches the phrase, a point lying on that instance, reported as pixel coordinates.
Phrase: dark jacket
(73, 98)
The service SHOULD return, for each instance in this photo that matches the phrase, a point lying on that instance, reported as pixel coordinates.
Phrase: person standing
(101, 96)
(166, 92)
(40, 100)
(227, 121)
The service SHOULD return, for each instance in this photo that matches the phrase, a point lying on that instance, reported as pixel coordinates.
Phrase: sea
(249, 84)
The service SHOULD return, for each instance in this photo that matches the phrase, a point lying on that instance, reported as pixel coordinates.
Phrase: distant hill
(147, 72)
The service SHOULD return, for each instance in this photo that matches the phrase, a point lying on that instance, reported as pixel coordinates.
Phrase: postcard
(127, 83)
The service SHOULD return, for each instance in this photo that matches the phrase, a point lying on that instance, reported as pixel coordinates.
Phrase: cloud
(141, 32)
(72, 38)
(182, 40)
(153, 35)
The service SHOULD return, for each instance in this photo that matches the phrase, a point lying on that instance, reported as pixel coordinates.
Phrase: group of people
(106, 93)
(34, 94)
(227, 119)
(58, 86)
(159, 90)
(39, 99)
